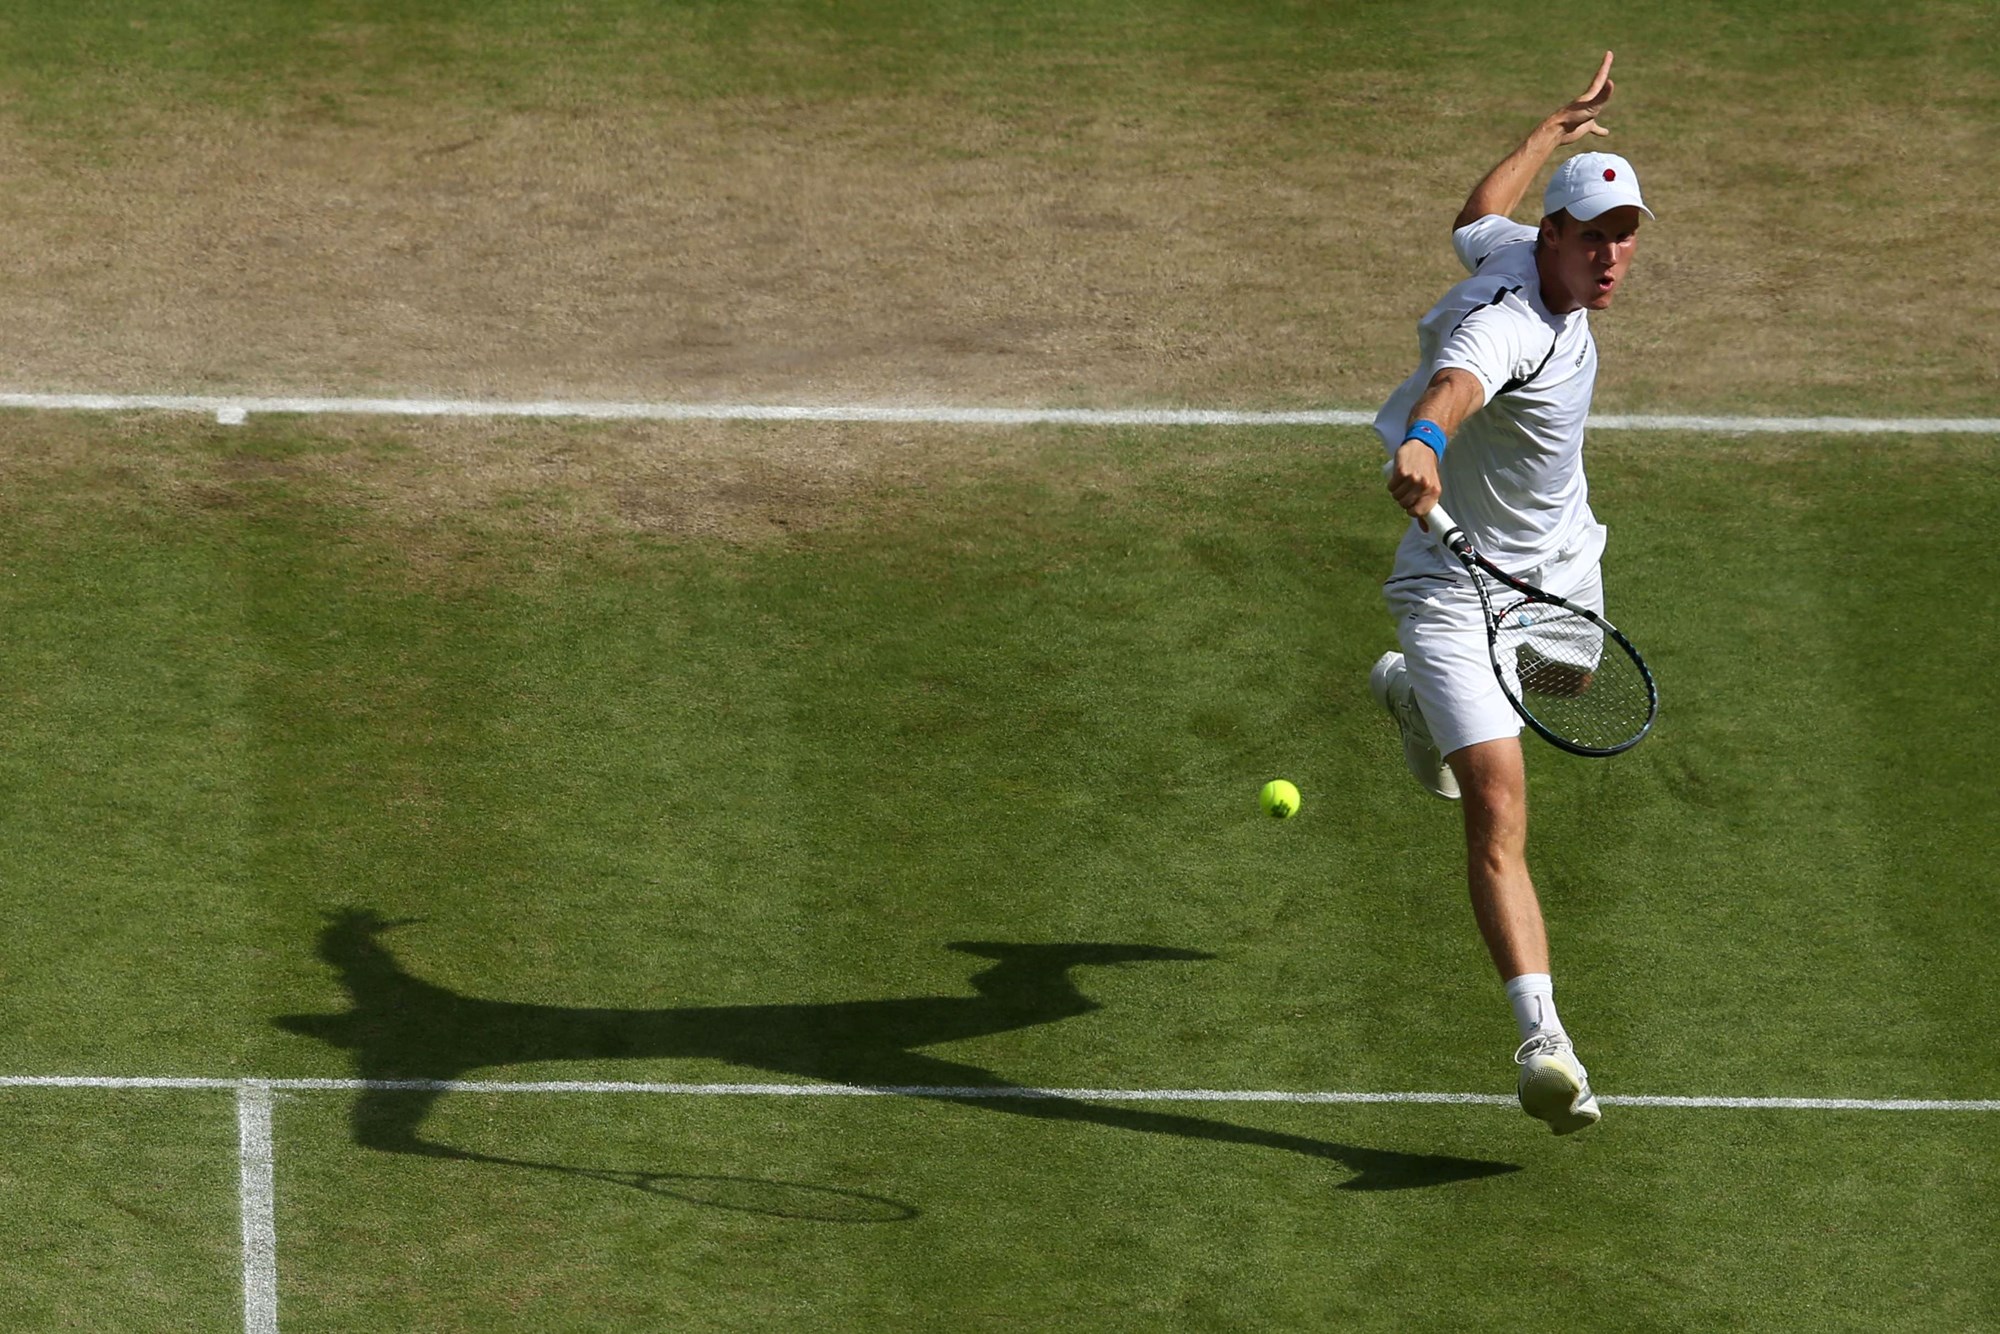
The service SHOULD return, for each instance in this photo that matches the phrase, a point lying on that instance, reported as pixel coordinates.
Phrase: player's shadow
(402, 1029)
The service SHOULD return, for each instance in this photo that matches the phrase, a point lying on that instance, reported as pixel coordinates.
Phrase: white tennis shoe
(1554, 1085)
(1389, 682)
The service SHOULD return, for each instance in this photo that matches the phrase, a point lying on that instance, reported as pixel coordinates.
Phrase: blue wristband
(1429, 432)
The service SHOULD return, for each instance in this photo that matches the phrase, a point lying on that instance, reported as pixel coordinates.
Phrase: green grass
(607, 769)
(121, 1213)
(731, 793)
(1676, 1220)
(240, 52)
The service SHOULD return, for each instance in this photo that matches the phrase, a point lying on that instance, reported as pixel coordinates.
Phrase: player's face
(1591, 258)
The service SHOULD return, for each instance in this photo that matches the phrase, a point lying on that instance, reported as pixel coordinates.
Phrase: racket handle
(1444, 529)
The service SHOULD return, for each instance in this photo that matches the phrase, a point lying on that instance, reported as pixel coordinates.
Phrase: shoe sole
(1553, 1095)
(1416, 756)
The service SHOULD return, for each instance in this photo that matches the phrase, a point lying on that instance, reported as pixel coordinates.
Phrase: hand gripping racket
(1566, 670)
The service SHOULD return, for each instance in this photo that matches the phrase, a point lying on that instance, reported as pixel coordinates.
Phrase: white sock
(1533, 996)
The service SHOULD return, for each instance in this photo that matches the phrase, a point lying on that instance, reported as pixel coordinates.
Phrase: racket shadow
(399, 1027)
(770, 1197)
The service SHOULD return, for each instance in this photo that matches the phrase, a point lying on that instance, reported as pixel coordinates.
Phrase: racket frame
(1452, 538)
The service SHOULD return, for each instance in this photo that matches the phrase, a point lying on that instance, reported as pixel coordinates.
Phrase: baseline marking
(233, 410)
(260, 1226)
(254, 1096)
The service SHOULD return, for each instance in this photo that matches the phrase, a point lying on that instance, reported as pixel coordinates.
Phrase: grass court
(705, 753)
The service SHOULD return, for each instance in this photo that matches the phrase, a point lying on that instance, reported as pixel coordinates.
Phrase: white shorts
(1443, 633)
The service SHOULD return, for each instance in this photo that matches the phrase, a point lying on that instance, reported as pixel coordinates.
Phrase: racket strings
(1576, 680)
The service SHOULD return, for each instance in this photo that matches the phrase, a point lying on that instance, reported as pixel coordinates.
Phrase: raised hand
(1579, 118)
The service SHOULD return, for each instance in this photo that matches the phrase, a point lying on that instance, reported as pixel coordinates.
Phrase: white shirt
(1513, 474)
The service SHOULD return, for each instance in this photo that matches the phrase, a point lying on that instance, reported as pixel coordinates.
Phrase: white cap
(1590, 183)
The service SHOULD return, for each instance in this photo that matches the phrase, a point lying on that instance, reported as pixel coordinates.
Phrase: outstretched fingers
(1600, 87)
(1580, 117)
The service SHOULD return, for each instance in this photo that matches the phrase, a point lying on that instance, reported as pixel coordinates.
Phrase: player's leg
(1492, 777)
(1493, 788)
(1450, 682)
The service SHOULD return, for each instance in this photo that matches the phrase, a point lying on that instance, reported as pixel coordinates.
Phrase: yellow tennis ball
(1280, 799)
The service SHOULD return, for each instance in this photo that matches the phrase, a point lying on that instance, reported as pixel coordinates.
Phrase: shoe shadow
(400, 1028)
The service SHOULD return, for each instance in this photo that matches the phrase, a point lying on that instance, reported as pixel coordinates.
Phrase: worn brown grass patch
(454, 496)
(1230, 243)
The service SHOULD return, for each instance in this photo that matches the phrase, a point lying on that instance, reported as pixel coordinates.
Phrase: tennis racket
(1569, 673)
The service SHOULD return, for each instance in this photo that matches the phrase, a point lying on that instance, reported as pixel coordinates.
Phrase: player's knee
(1493, 769)
(1495, 832)
(1493, 794)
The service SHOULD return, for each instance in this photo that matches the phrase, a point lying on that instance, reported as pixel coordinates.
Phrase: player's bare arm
(1453, 396)
(1501, 189)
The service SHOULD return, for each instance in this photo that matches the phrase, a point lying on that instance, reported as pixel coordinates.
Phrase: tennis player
(1491, 425)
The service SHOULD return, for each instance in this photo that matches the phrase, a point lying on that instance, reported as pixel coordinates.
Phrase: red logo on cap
(1610, 174)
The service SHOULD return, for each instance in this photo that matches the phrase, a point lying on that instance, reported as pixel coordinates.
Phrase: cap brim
(1604, 203)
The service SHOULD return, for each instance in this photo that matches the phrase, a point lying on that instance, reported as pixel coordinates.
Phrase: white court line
(935, 415)
(258, 1201)
(265, 1087)
(617, 411)
(1801, 425)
